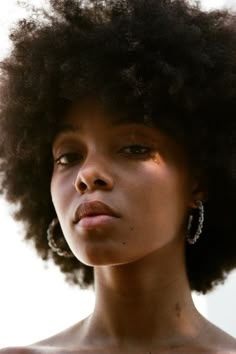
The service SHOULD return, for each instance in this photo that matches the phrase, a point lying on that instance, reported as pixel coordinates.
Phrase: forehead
(90, 109)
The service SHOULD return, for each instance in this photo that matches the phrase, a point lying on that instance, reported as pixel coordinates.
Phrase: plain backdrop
(35, 301)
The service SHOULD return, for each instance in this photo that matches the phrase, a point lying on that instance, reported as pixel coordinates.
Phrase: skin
(143, 298)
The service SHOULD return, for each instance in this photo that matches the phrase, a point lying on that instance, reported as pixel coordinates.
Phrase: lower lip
(96, 220)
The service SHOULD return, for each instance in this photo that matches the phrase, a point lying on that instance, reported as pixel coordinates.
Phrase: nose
(92, 175)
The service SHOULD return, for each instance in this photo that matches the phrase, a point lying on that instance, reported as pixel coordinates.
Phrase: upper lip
(93, 208)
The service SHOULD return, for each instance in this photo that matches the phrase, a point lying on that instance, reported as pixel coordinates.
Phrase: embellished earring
(51, 242)
(194, 239)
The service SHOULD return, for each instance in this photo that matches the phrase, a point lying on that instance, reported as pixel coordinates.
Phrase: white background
(35, 301)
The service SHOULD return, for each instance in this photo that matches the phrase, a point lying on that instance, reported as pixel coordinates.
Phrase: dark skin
(143, 298)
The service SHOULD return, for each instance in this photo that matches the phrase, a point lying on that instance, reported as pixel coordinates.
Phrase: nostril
(100, 182)
(82, 186)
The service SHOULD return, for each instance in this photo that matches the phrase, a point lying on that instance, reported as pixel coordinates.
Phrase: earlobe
(193, 203)
(198, 193)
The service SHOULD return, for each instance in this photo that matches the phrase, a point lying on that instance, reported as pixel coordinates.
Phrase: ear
(198, 192)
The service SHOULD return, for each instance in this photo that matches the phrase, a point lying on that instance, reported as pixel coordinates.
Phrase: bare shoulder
(17, 350)
(67, 339)
(60, 343)
(218, 340)
(44, 349)
(33, 350)
(28, 350)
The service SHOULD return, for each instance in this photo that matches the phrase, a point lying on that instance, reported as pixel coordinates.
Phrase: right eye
(67, 159)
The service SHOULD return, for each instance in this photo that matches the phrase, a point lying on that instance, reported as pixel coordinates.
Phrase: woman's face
(134, 169)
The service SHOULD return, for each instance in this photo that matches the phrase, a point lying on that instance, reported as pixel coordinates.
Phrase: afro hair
(168, 60)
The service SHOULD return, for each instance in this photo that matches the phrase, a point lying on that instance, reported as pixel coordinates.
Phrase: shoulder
(216, 341)
(17, 350)
(225, 341)
(43, 349)
(33, 350)
(51, 345)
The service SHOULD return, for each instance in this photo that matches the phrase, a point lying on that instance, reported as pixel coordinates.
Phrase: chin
(93, 256)
(93, 260)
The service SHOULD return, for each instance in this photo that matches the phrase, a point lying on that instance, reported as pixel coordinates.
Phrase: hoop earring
(51, 242)
(194, 239)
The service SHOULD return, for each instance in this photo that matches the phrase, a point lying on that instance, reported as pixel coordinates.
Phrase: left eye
(137, 149)
(68, 158)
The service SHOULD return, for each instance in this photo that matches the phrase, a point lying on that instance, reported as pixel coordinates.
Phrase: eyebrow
(69, 128)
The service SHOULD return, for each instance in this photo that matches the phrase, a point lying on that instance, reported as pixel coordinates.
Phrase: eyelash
(77, 156)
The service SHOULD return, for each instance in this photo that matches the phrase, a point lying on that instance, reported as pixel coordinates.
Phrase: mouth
(92, 221)
(92, 211)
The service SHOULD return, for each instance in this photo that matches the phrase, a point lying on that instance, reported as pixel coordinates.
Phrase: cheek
(159, 202)
(61, 193)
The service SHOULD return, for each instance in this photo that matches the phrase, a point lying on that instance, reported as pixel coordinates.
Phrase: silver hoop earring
(51, 242)
(194, 239)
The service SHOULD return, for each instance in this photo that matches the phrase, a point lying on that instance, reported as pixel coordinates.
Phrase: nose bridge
(95, 159)
(95, 170)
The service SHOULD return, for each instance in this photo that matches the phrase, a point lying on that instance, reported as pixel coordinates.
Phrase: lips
(91, 209)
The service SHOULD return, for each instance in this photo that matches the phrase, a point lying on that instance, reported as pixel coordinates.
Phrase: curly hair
(168, 60)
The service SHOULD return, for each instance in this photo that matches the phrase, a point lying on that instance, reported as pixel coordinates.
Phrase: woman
(118, 144)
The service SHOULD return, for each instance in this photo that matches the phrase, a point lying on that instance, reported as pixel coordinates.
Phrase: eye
(137, 149)
(67, 158)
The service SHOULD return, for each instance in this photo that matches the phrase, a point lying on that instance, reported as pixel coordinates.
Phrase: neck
(133, 301)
